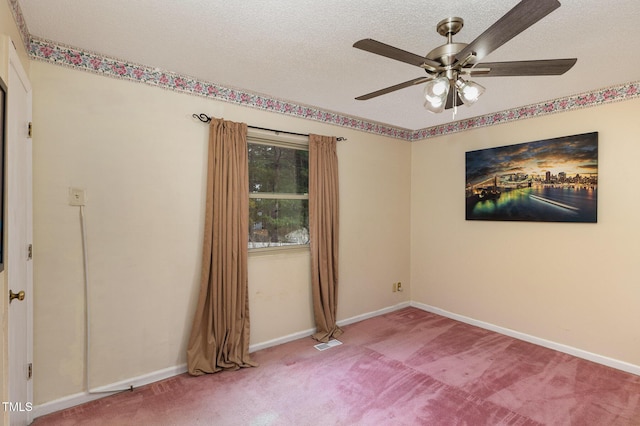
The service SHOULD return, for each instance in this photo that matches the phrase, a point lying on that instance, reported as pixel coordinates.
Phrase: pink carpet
(408, 367)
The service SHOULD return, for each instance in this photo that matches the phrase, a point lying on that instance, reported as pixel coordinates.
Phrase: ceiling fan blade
(393, 88)
(518, 68)
(388, 51)
(522, 16)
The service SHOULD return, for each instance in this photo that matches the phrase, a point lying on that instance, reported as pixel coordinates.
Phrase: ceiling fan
(447, 64)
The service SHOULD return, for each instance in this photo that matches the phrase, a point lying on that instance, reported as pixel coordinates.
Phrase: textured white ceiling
(301, 51)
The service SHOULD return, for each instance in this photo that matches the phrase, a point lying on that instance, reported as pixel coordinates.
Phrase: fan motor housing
(446, 53)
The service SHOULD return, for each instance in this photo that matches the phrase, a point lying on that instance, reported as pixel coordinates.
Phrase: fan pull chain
(455, 104)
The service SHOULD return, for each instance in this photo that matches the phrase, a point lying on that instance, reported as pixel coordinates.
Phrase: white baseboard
(368, 315)
(281, 340)
(600, 359)
(309, 332)
(102, 391)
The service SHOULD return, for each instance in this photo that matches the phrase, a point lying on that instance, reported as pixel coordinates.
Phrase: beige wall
(573, 284)
(141, 157)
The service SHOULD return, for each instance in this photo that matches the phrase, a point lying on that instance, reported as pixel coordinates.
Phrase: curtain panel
(323, 232)
(220, 333)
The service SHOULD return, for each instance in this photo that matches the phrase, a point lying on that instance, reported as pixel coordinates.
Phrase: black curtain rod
(206, 119)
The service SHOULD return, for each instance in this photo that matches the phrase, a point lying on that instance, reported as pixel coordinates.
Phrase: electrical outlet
(394, 287)
(77, 197)
(399, 286)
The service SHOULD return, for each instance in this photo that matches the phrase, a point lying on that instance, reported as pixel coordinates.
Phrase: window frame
(281, 140)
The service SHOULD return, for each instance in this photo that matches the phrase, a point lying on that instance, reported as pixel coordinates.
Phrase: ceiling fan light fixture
(435, 94)
(446, 63)
(469, 91)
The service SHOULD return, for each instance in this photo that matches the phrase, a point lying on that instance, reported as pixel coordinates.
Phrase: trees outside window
(278, 194)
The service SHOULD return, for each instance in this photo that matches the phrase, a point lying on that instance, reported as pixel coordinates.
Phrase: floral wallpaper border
(18, 17)
(59, 54)
(79, 59)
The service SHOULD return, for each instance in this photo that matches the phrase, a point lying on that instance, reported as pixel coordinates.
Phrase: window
(278, 190)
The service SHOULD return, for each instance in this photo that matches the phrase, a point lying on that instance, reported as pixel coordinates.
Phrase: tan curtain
(323, 230)
(220, 332)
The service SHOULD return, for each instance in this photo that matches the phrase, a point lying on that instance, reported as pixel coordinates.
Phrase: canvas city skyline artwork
(551, 180)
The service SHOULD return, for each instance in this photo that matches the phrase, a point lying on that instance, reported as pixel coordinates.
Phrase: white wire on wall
(87, 312)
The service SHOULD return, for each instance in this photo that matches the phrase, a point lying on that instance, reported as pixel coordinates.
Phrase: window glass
(278, 222)
(278, 170)
(278, 195)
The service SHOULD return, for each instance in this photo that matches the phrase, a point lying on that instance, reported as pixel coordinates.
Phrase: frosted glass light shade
(435, 94)
(469, 91)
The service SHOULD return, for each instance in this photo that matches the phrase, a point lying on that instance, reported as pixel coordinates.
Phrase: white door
(18, 262)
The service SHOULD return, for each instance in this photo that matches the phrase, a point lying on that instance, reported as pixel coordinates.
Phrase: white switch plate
(77, 197)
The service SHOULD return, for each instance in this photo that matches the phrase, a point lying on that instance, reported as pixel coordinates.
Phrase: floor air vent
(324, 346)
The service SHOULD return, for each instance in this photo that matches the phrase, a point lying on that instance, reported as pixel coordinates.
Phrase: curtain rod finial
(202, 117)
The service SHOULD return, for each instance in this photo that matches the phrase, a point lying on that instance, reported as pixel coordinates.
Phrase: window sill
(266, 251)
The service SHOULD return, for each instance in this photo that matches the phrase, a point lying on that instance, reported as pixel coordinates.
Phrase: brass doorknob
(19, 295)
